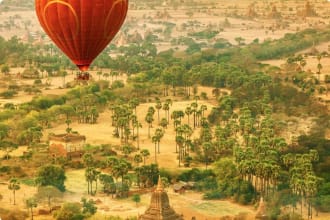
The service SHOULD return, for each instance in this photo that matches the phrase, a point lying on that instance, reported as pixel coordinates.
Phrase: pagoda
(251, 13)
(308, 11)
(160, 208)
(261, 212)
(274, 14)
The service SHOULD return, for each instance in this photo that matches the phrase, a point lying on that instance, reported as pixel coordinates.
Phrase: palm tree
(89, 178)
(179, 142)
(145, 153)
(95, 176)
(99, 73)
(121, 169)
(149, 119)
(106, 76)
(155, 140)
(203, 108)
(134, 103)
(178, 132)
(303, 63)
(194, 107)
(111, 162)
(188, 112)
(151, 110)
(187, 132)
(127, 150)
(138, 159)
(166, 107)
(64, 74)
(88, 159)
(158, 107)
(174, 117)
(239, 40)
(207, 148)
(319, 65)
(159, 133)
(163, 123)
(30, 204)
(137, 125)
(14, 185)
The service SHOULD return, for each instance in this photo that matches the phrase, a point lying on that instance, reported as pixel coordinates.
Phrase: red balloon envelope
(81, 28)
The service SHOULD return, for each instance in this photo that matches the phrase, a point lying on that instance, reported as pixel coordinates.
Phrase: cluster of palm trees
(87, 111)
(258, 153)
(159, 133)
(91, 173)
(117, 167)
(113, 74)
(307, 83)
(14, 185)
(303, 181)
(114, 173)
(147, 175)
(258, 158)
(126, 124)
(183, 131)
(183, 141)
(125, 121)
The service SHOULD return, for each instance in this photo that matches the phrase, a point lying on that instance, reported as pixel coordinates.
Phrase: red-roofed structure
(66, 145)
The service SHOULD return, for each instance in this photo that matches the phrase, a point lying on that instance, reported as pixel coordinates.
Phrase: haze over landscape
(209, 109)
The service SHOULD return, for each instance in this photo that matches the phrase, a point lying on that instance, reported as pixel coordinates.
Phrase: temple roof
(261, 212)
(66, 138)
(160, 208)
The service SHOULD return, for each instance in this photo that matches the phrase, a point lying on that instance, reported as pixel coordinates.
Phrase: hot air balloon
(81, 28)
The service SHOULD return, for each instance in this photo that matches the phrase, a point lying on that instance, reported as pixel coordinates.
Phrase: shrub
(10, 106)
(324, 203)
(216, 194)
(8, 94)
(5, 169)
(117, 84)
(291, 216)
(76, 164)
(13, 215)
(37, 82)
(69, 211)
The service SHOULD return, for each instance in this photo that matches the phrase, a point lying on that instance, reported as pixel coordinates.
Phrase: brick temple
(160, 208)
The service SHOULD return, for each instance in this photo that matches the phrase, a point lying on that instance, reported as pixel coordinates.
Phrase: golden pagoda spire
(160, 187)
(261, 212)
(160, 208)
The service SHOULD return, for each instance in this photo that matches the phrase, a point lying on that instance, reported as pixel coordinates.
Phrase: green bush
(216, 194)
(8, 94)
(70, 211)
(117, 84)
(76, 164)
(291, 216)
(5, 169)
(37, 82)
(324, 203)
(195, 175)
